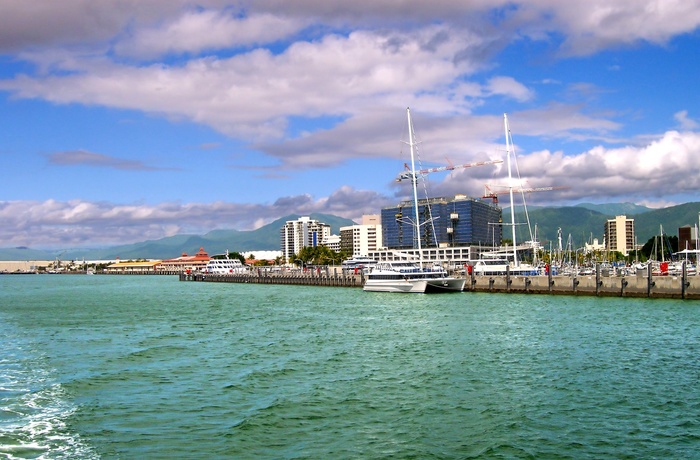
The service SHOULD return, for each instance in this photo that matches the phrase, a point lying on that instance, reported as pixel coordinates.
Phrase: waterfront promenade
(642, 284)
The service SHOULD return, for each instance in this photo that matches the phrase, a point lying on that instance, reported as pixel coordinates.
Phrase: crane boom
(490, 192)
(407, 174)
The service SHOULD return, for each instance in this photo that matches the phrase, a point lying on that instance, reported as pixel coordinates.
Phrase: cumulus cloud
(369, 69)
(197, 31)
(75, 223)
(652, 173)
(253, 69)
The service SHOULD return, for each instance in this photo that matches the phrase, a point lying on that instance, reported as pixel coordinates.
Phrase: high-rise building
(359, 240)
(303, 232)
(456, 221)
(619, 234)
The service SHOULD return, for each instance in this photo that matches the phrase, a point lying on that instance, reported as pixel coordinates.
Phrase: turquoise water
(150, 367)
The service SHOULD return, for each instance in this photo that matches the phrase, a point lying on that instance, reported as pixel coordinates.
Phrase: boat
(225, 267)
(357, 263)
(516, 266)
(499, 266)
(409, 275)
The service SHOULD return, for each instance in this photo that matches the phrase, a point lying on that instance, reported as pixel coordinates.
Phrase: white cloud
(197, 31)
(76, 223)
(648, 174)
(508, 86)
(684, 121)
(599, 24)
(251, 94)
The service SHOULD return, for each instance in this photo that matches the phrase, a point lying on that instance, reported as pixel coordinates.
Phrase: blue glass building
(457, 221)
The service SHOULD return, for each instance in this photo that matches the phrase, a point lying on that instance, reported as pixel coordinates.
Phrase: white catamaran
(409, 276)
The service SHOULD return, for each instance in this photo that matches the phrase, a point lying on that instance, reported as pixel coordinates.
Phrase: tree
(657, 248)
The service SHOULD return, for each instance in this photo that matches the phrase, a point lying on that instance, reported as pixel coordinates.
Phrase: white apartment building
(360, 240)
(619, 234)
(303, 232)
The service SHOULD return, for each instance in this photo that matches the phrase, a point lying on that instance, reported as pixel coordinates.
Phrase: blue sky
(125, 120)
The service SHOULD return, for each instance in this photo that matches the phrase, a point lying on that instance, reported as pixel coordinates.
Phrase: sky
(123, 121)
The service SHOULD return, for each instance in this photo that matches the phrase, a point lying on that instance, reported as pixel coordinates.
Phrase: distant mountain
(581, 222)
(214, 242)
(616, 209)
(23, 253)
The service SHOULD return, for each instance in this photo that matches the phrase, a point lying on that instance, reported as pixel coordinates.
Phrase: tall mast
(414, 183)
(510, 188)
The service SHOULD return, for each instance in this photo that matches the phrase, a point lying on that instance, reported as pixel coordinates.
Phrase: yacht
(409, 276)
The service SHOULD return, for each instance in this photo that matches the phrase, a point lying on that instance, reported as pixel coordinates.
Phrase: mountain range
(581, 223)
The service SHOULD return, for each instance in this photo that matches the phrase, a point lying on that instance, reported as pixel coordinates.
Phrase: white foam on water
(34, 411)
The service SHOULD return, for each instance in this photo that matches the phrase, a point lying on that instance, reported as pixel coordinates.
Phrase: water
(150, 367)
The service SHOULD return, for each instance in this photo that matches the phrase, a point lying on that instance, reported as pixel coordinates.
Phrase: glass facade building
(457, 221)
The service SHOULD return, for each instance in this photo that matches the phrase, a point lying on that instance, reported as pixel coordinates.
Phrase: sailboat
(408, 275)
(493, 264)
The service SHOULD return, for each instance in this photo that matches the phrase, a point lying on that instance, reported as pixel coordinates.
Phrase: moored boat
(225, 267)
(409, 276)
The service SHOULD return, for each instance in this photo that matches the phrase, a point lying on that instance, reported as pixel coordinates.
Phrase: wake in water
(34, 409)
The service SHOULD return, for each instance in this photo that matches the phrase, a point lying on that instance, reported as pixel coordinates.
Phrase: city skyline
(126, 121)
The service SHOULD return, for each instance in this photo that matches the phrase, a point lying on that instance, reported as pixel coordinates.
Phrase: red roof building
(185, 262)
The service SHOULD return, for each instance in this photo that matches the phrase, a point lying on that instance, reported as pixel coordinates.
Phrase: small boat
(225, 267)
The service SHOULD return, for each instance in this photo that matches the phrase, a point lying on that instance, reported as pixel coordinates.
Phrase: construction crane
(408, 174)
(489, 191)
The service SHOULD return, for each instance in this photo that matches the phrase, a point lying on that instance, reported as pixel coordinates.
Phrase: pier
(641, 284)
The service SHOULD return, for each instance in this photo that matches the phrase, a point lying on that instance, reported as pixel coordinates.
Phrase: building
(687, 238)
(594, 246)
(360, 240)
(150, 266)
(457, 221)
(185, 262)
(303, 232)
(619, 234)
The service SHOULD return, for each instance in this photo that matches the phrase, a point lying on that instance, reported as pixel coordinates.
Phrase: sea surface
(147, 367)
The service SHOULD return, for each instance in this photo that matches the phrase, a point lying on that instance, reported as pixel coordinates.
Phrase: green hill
(214, 242)
(581, 223)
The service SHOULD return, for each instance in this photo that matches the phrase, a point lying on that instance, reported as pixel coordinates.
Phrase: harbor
(641, 284)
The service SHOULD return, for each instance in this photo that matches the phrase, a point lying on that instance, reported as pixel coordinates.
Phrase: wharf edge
(643, 284)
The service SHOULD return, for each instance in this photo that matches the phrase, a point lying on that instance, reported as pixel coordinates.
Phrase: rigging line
(522, 189)
(430, 219)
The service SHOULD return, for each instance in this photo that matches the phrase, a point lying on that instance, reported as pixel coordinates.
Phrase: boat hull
(445, 285)
(412, 286)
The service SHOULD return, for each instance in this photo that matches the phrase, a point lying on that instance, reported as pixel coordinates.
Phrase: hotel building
(619, 234)
(303, 232)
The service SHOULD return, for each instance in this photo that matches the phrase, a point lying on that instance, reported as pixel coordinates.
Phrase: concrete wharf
(642, 284)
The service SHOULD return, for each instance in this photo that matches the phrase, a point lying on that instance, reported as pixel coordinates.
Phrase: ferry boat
(407, 276)
(360, 262)
(225, 267)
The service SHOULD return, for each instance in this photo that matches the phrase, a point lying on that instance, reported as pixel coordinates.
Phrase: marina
(597, 283)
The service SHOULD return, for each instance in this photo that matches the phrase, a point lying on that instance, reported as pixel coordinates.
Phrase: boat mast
(510, 188)
(414, 183)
